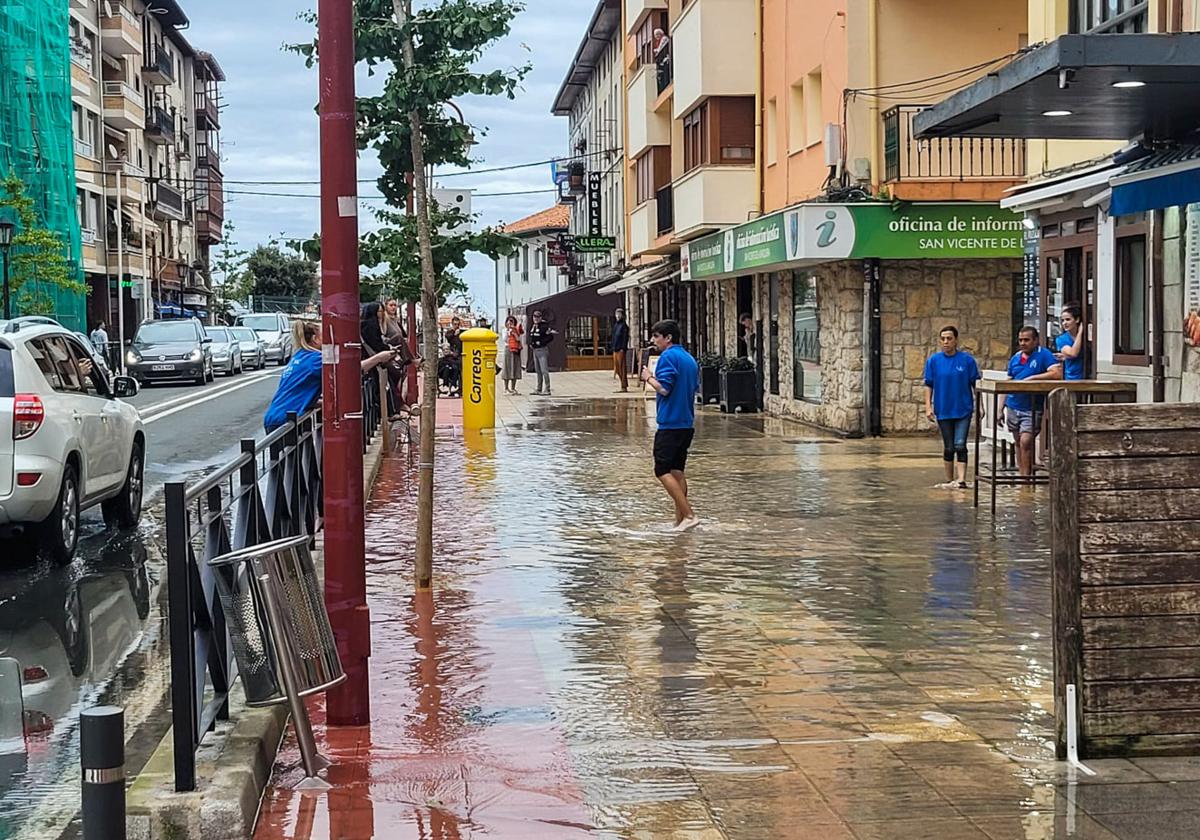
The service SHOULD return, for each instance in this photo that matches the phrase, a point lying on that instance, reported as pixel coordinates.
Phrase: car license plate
(162, 367)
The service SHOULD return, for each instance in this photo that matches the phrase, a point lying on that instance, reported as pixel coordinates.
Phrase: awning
(1063, 192)
(637, 278)
(1168, 178)
(1068, 90)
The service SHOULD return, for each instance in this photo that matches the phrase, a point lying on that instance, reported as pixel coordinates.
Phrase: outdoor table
(1003, 471)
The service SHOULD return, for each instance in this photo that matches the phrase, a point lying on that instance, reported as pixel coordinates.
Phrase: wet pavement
(839, 651)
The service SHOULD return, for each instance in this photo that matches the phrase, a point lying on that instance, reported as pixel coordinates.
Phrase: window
(695, 138)
(92, 383)
(525, 263)
(643, 39)
(772, 129)
(537, 256)
(56, 363)
(806, 343)
(1130, 305)
(652, 172)
(796, 117)
(813, 102)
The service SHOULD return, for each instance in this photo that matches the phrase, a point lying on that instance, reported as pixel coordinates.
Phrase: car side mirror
(206, 340)
(124, 387)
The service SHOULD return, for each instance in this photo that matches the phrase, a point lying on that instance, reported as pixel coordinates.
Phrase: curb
(233, 766)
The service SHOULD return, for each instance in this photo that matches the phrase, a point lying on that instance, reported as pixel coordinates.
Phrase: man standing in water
(675, 381)
(620, 346)
(1023, 412)
(950, 377)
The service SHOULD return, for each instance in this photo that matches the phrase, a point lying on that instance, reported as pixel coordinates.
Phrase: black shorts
(671, 450)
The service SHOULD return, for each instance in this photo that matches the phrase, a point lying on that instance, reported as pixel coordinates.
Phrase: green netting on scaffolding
(37, 145)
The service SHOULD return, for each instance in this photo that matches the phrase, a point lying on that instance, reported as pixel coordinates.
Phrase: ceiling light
(1056, 113)
(1131, 83)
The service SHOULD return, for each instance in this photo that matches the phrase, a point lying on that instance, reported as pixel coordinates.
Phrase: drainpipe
(872, 425)
(759, 171)
(873, 71)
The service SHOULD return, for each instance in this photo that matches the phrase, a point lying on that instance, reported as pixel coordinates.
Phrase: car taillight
(28, 414)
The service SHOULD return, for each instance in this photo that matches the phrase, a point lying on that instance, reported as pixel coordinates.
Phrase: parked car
(74, 442)
(226, 350)
(254, 351)
(275, 330)
(171, 350)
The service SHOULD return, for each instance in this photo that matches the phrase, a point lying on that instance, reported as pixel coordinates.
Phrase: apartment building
(867, 240)
(691, 147)
(1107, 106)
(145, 118)
(528, 274)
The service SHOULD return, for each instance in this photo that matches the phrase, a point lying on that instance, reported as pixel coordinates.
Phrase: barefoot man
(675, 381)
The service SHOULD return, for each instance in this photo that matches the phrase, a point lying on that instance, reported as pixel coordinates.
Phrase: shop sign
(594, 244)
(815, 233)
(1191, 285)
(1030, 292)
(594, 205)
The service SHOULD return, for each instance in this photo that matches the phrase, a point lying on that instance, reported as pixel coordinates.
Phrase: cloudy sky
(269, 126)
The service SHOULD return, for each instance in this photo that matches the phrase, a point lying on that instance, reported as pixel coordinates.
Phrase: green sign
(594, 244)
(814, 233)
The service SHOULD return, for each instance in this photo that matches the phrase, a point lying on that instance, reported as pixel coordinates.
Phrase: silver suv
(67, 439)
(275, 330)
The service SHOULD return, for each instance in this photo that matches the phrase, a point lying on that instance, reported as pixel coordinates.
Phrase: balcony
(120, 30)
(159, 69)
(664, 70)
(184, 147)
(166, 202)
(87, 236)
(712, 197)
(947, 160)
(206, 156)
(208, 116)
(123, 108)
(81, 55)
(132, 179)
(160, 126)
(646, 127)
(210, 208)
(642, 228)
(84, 149)
(710, 43)
(130, 255)
(636, 10)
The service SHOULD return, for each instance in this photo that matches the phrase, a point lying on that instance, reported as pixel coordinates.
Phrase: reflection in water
(836, 644)
(65, 633)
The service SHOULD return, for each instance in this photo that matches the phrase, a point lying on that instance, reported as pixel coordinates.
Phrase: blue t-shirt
(298, 389)
(678, 372)
(952, 379)
(1039, 361)
(1072, 368)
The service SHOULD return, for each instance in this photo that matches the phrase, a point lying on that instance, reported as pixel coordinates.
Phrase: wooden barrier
(1125, 531)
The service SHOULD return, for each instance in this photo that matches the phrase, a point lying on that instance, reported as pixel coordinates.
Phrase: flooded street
(839, 650)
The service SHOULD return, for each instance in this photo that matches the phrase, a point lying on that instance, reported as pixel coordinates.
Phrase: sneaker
(962, 485)
(687, 525)
(946, 485)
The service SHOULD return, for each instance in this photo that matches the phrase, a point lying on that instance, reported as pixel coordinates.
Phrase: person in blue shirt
(675, 380)
(1023, 412)
(1069, 343)
(300, 386)
(950, 377)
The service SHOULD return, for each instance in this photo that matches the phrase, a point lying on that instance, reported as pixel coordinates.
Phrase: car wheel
(59, 532)
(211, 375)
(125, 509)
(201, 378)
(73, 631)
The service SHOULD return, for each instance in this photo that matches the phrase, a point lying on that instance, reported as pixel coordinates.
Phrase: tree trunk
(429, 328)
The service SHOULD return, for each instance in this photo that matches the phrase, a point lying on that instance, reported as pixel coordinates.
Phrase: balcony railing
(87, 236)
(159, 68)
(207, 113)
(125, 168)
(666, 210)
(83, 148)
(663, 65)
(167, 202)
(81, 54)
(207, 157)
(160, 124)
(121, 89)
(112, 10)
(945, 158)
(1115, 17)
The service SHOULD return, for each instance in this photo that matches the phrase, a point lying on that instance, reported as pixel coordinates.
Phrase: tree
(442, 46)
(38, 255)
(272, 271)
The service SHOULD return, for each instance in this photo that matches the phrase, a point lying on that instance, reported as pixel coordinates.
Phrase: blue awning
(1167, 179)
(169, 309)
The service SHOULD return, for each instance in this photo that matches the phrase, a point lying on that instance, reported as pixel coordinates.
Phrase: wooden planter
(710, 385)
(739, 390)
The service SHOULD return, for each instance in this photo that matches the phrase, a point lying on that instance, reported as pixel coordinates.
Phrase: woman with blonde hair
(300, 386)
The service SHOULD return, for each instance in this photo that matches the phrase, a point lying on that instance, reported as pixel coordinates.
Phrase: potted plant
(710, 377)
(739, 386)
(575, 176)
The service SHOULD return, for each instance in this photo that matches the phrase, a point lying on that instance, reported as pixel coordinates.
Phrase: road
(90, 631)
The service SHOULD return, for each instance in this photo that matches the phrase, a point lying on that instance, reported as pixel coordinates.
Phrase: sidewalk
(839, 651)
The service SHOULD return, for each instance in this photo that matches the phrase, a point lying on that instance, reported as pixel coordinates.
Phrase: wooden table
(1004, 472)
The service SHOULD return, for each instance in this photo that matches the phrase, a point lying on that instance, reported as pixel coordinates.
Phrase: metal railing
(665, 201)
(1115, 17)
(112, 11)
(663, 72)
(271, 490)
(160, 122)
(83, 148)
(945, 158)
(124, 89)
(159, 63)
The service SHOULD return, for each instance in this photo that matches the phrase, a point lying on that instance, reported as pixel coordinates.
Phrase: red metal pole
(345, 543)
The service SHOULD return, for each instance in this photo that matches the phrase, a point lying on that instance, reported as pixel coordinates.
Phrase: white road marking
(154, 408)
(207, 397)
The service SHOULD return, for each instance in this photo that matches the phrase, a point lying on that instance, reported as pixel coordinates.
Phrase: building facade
(145, 120)
(1113, 204)
(526, 275)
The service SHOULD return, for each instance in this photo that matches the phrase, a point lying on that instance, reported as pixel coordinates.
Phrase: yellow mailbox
(479, 379)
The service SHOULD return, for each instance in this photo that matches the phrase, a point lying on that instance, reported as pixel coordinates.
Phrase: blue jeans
(954, 438)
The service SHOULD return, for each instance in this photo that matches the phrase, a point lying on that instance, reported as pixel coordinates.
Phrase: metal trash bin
(292, 578)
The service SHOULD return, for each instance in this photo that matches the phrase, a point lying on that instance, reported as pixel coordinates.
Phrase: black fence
(945, 158)
(665, 201)
(664, 72)
(271, 490)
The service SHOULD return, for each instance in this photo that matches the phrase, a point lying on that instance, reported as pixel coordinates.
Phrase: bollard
(102, 756)
(479, 379)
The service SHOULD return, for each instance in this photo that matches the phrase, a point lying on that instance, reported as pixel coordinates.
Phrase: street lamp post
(6, 238)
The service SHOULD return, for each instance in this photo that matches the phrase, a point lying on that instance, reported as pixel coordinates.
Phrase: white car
(67, 439)
(275, 330)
